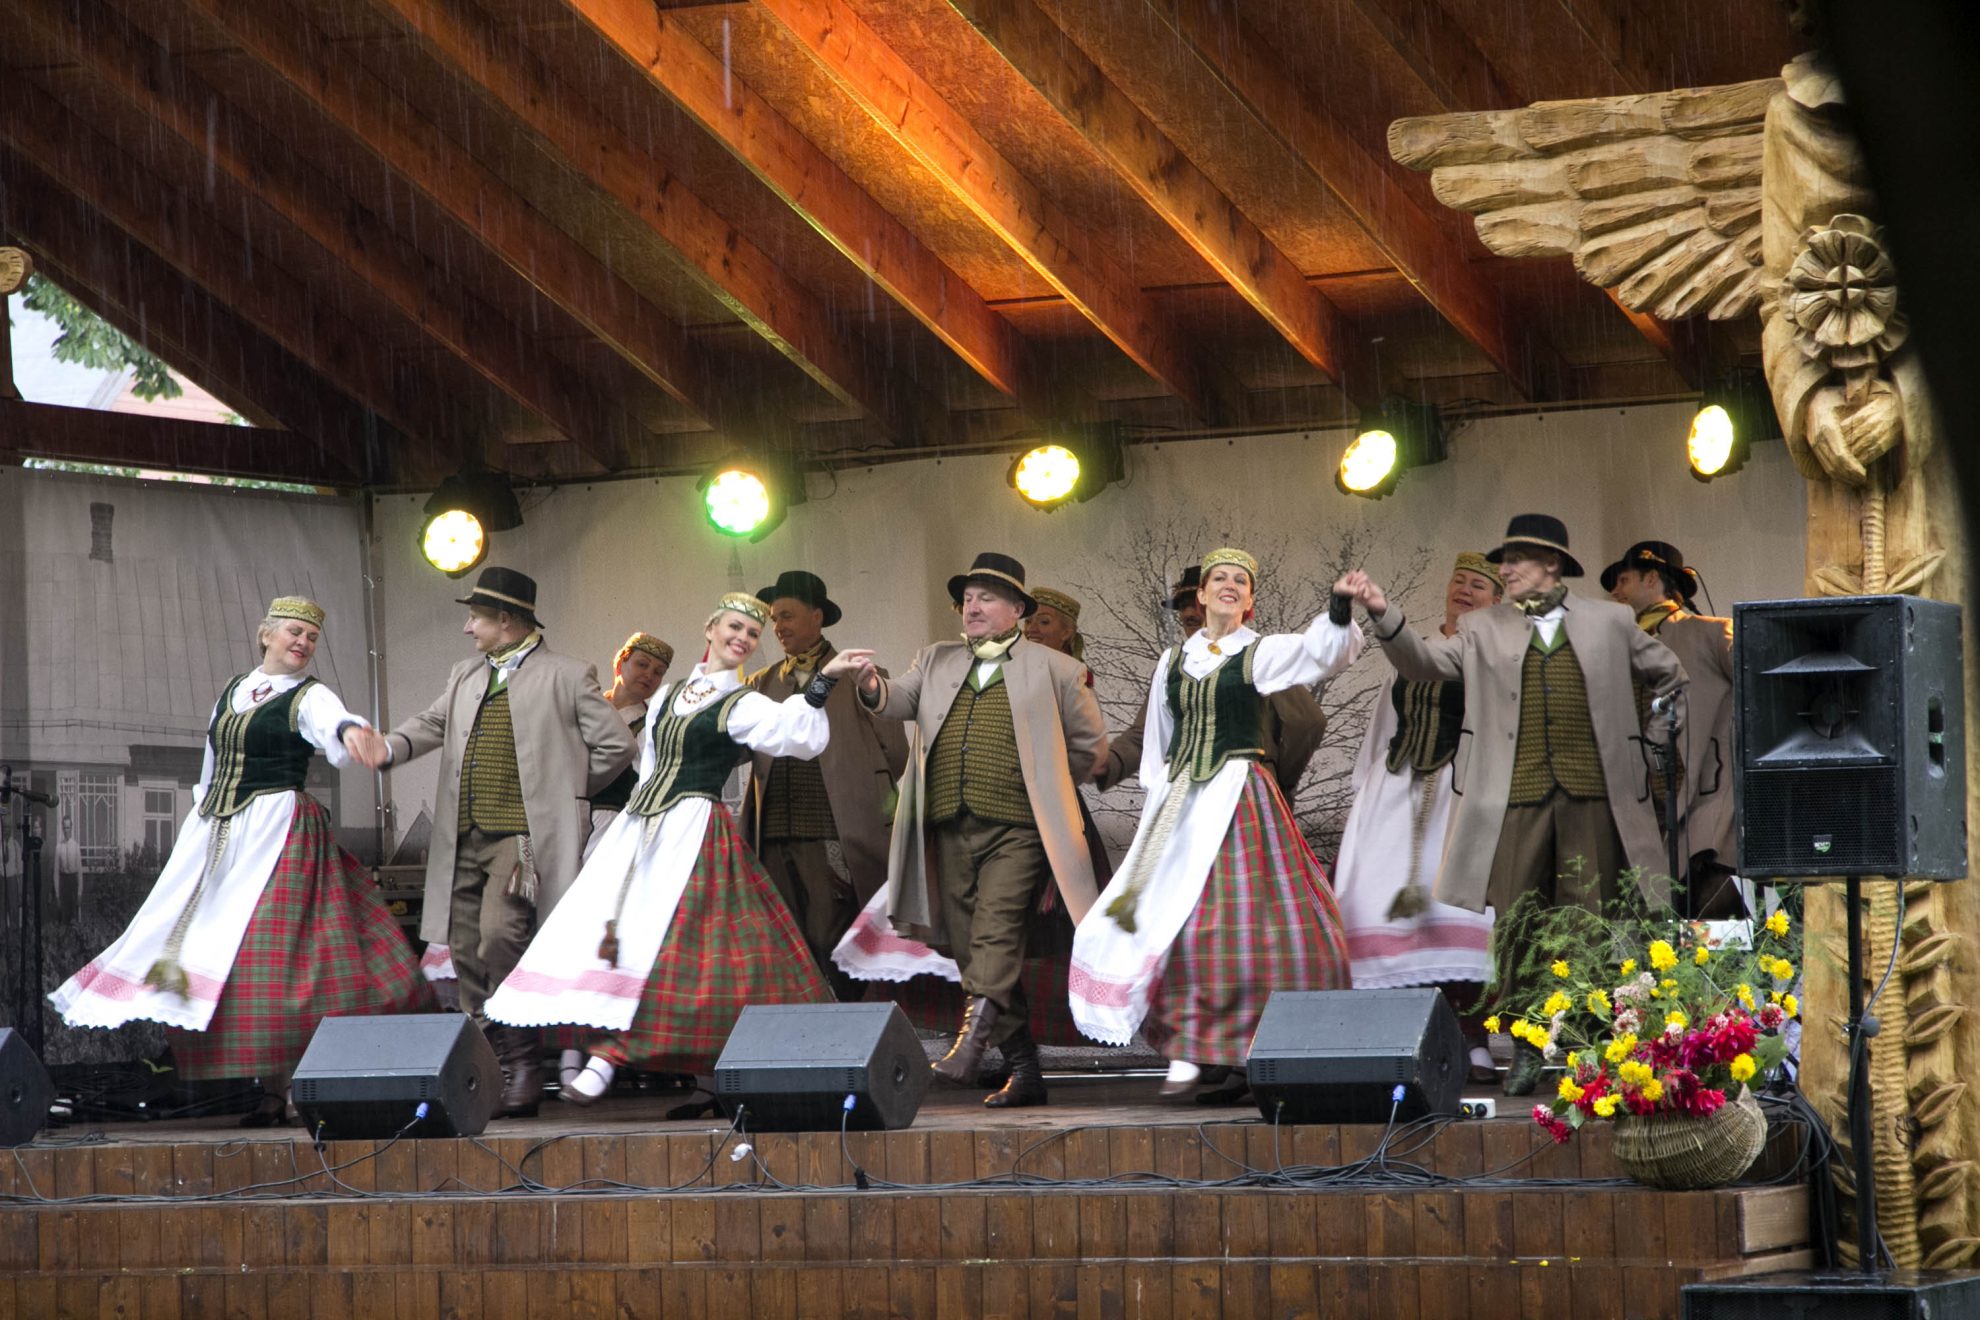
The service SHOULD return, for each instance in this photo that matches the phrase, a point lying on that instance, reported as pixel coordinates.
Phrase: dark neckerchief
(1535, 606)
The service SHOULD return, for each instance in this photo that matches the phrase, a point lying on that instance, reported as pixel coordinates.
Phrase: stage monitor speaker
(1836, 1295)
(791, 1066)
(1852, 738)
(25, 1091)
(367, 1076)
(1337, 1056)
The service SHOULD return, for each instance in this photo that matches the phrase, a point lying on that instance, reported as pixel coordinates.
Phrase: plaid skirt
(732, 943)
(1267, 921)
(321, 944)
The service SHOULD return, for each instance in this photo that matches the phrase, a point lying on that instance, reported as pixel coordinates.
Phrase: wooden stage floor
(1105, 1203)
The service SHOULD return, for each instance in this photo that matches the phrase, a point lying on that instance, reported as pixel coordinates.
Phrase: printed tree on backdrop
(1128, 624)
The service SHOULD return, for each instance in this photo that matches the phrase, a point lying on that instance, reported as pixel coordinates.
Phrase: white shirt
(319, 714)
(1548, 625)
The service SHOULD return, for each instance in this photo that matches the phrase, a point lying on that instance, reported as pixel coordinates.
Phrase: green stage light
(747, 497)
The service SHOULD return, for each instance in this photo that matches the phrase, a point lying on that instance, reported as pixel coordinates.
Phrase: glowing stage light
(1046, 476)
(1391, 440)
(747, 495)
(1737, 410)
(1369, 462)
(469, 507)
(1071, 464)
(1711, 442)
(453, 542)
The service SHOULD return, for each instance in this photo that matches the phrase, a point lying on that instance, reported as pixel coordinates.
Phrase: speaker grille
(1789, 812)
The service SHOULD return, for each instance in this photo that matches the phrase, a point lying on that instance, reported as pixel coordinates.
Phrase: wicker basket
(1679, 1152)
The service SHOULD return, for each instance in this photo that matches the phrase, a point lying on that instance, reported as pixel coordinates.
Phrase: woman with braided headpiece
(672, 927)
(259, 925)
(1219, 901)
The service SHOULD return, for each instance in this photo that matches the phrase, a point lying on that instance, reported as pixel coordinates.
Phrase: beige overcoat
(1060, 738)
(569, 744)
(860, 766)
(1487, 655)
(1703, 645)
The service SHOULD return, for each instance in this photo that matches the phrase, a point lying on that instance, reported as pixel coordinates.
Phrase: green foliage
(90, 341)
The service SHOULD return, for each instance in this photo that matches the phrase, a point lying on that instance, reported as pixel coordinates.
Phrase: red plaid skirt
(320, 944)
(732, 943)
(1267, 922)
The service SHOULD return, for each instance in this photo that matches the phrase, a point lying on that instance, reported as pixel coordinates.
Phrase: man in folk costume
(637, 672)
(525, 736)
(1552, 794)
(1293, 725)
(1393, 842)
(1653, 580)
(820, 825)
(1003, 730)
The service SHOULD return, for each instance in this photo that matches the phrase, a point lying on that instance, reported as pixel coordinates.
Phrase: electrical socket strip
(1485, 1108)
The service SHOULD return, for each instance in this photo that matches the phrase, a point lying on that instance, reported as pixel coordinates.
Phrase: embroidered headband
(1473, 561)
(1057, 600)
(296, 607)
(647, 642)
(741, 602)
(1231, 555)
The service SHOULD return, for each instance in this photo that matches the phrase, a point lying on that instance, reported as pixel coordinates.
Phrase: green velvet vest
(1218, 718)
(692, 753)
(255, 751)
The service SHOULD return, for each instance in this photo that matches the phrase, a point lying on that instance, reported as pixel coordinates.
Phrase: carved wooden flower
(1843, 294)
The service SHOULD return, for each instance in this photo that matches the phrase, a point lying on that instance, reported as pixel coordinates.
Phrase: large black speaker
(25, 1091)
(1337, 1056)
(1852, 737)
(367, 1076)
(1899, 1295)
(791, 1066)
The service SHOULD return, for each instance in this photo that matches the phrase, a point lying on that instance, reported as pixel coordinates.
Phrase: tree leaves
(90, 341)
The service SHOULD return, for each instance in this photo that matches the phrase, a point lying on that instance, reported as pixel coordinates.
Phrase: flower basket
(1688, 1152)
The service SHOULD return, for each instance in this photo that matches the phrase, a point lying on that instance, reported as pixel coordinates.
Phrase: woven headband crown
(653, 646)
(1231, 555)
(741, 602)
(296, 607)
(1057, 600)
(1472, 561)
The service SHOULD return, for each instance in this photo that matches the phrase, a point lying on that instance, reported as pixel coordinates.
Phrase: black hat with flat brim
(1186, 586)
(505, 589)
(1538, 531)
(796, 584)
(1655, 557)
(1003, 571)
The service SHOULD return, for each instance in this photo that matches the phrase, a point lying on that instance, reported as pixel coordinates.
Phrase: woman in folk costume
(672, 927)
(1219, 901)
(1397, 934)
(260, 925)
(637, 672)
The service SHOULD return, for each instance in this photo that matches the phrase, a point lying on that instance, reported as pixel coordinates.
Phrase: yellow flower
(1619, 1049)
(1574, 1058)
(1492, 1024)
(1569, 1091)
(1556, 1003)
(1652, 1090)
(1777, 925)
(1634, 1072)
(1743, 1067)
(1605, 1107)
(1674, 1019)
(1701, 955)
(1669, 986)
(1598, 1001)
(1745, 993)
(1662, 956)
(1790, 1006)
(1628, 966)
(1655, 993)
(1560, 968)
(1782, 970)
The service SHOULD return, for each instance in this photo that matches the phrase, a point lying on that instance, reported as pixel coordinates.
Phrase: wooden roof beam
(141, 295)
(1424, 253)
(172, 444)
(110, 51)
(1171, 184)
(163, 218)
(354, 99)
(1074, 262)
(723, 259)
(808, 181)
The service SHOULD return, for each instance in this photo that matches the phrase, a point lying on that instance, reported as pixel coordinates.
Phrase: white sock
(569, 1064)
(1183, 1072)
(595, 1080)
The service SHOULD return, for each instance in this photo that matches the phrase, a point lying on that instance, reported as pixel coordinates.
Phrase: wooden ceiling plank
(1074, 262)
(814, 187)
(1164, 177)
(115, 55)
(353, 98)
(170, 444)
(166, 220)
(731, 265)
(157, 307)
(1425, 253)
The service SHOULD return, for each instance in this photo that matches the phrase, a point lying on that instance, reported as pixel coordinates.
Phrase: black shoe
(1026, 1086)
(960, 1063)
(270, 1111)
(1524, 1075)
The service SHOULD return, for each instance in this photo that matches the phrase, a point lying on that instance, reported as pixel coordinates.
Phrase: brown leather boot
(522, 1074)
(959, 1064)
(1027, 1081)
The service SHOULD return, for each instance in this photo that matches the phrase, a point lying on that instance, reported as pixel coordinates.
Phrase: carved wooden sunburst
(15, 267)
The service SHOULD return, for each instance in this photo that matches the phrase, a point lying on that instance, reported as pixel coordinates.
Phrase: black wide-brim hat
(1186, 586)
(1001, 569)
(1542, 531)
(800, 585)
(505, 589)
(1652, 556)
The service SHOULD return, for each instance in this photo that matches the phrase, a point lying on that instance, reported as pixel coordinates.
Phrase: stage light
(747, 496)
(461, 515)
(1075, 464)
(1735, 410)
(1390, 441)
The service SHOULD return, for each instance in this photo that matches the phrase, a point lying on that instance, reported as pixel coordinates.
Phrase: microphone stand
(28, 981)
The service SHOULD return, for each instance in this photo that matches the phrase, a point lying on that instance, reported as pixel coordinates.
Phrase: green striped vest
(255, 751)
(974, 764)
(692, 753)
(1556, 746)
(1218, 718)
(491, 785)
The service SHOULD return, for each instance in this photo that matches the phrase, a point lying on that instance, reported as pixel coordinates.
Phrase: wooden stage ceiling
(573, 237)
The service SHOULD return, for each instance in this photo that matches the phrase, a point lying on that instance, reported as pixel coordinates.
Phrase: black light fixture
(747, 495)
(460, 516)
(1073, 464)
(1390, 441)
(1735, 410)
